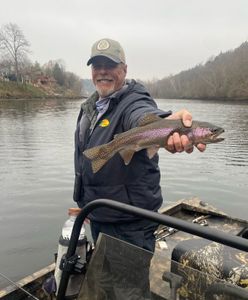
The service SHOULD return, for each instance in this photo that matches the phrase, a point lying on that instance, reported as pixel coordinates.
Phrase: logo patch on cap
(103, 45)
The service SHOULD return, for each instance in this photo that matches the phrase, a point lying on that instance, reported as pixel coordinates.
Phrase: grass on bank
(14, 90)
(18, 90)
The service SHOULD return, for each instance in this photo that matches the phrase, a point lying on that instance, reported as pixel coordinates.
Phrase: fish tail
(97, 164)
(93, 153)
(98, 155)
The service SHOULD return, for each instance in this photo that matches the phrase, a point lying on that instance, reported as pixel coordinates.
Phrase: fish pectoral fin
(151, 151)
(148, 119)
(127, 155)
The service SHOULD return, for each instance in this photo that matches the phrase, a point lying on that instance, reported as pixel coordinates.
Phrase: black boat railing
(204, 232)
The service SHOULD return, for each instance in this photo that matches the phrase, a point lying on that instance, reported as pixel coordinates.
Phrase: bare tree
(14, 47)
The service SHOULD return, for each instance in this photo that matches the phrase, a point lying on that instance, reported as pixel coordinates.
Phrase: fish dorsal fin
(127, 155)
(148, 119)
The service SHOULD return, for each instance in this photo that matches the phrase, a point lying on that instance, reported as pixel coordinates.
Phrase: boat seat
(213, 260)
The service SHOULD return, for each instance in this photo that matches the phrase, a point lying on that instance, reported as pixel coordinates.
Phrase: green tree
(58, 74)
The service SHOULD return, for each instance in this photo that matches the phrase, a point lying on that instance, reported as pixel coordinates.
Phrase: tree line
(15, 64)
(222, 77)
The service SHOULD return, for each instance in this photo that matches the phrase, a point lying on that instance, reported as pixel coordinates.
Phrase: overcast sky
(160, 37)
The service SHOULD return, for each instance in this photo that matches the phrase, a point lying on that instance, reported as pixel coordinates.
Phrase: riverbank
(14, 90)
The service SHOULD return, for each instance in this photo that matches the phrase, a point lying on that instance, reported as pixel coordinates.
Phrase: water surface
(36, 162)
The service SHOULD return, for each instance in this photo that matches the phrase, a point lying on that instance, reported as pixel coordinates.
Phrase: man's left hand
(180, 143)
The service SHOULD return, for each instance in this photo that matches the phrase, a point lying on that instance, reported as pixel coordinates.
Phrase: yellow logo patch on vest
(104, 123)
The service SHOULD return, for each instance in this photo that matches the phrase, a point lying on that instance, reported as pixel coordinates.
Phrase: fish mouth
(214, 138)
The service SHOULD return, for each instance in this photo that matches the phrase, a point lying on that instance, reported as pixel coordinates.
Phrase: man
(116, 106)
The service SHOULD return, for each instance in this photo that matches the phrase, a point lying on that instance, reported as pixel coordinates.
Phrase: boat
(204, 255)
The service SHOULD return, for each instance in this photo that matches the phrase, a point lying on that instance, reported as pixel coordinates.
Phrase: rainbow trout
(151, 134)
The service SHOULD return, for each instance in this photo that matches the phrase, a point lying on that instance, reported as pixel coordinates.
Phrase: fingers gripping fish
(151, 134)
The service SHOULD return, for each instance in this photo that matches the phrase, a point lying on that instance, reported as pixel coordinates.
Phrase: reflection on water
(36, 161)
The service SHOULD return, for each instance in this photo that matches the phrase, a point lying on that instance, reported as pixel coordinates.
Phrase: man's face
(107, 75)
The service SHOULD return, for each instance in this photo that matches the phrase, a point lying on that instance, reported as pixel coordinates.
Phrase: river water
(36, 178)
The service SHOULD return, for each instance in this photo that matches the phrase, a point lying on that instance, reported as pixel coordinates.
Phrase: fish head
(215, 133)
(206, 133)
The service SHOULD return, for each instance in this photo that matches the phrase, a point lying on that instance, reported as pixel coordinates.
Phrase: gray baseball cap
(107, 48)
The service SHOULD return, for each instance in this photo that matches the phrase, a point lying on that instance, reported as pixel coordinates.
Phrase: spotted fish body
(151, 134)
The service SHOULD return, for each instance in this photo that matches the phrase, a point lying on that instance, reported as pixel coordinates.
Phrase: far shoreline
(49, 97)
(44, 98)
